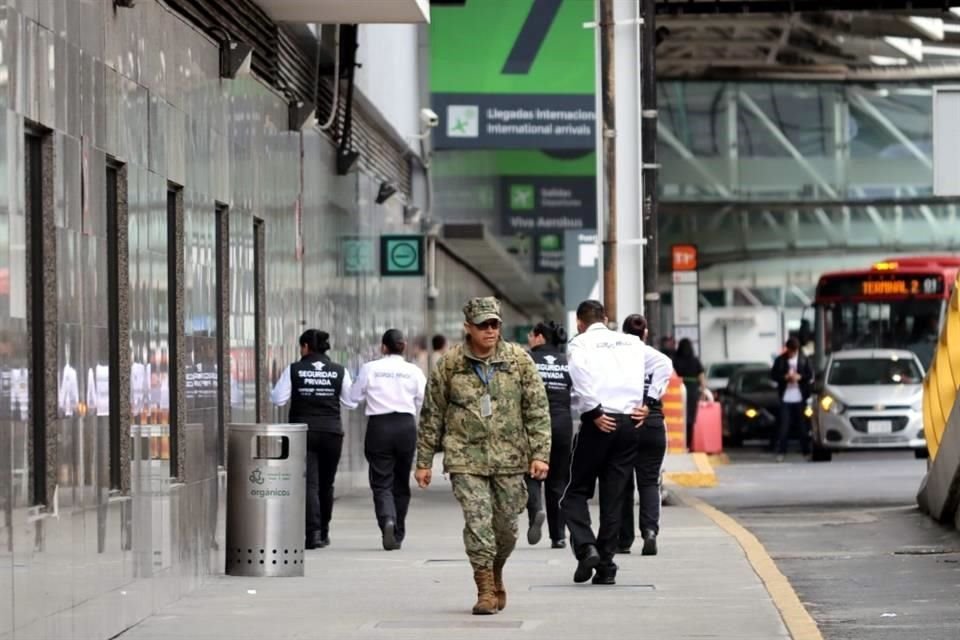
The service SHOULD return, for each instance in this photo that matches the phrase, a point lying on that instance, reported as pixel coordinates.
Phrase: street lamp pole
(650, 167)
(608, 133)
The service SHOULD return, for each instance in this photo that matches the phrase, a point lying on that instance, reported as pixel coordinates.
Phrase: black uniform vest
(315, 383)
(552, 365)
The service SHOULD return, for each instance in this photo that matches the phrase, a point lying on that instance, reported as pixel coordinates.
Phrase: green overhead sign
(401, 255)
(527, 83)
(358, 256)
(512, 47)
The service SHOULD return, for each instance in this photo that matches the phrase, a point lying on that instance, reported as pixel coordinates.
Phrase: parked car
(870, 399)
(718, 374)
(750, 405)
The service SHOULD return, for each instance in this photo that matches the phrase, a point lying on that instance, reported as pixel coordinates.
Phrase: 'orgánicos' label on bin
(269, 484)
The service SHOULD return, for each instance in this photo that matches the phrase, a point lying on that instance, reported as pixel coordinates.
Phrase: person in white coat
(392, 389)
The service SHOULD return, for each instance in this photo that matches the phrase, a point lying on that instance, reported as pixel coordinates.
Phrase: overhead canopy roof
(349, 11)
(856, 40)
(773, 6)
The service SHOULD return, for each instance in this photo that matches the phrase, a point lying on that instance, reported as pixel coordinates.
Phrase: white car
(871, 399)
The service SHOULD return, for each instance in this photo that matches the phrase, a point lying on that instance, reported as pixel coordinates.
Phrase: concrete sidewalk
(700, 586)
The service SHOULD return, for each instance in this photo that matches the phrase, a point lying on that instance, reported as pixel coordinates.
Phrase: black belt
(616, 416)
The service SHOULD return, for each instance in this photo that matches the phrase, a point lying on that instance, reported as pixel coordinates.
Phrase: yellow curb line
(718, 459)
(800, 624)
(703, 478)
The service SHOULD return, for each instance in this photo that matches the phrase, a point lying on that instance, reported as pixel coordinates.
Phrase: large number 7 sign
(531, 36)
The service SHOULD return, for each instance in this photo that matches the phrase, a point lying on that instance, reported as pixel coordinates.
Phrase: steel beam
(665, 134)
(780, 137)
(860, 102)
(692, 7)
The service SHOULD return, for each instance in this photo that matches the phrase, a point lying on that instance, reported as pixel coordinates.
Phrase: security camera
(429, 118)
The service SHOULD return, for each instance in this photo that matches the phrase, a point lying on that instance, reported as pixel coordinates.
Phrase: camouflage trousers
(490, 506)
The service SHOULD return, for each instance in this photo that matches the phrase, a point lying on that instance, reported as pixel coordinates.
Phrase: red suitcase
(708, 430)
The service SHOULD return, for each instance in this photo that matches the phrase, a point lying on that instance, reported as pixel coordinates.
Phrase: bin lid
(268, 427)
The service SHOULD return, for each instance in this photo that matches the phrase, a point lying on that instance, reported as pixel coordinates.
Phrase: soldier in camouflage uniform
(487, 410)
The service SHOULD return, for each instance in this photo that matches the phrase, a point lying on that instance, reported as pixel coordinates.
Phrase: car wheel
(821, 455)
(921, 454)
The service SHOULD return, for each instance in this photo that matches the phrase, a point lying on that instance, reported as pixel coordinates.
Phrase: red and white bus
(898, 303)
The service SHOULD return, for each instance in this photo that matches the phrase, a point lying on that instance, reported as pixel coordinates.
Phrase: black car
(750, 405)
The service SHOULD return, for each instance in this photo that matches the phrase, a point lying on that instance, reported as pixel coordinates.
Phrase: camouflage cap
(479, 310)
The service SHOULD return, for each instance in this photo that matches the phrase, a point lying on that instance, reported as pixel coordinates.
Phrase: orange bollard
(675, 415)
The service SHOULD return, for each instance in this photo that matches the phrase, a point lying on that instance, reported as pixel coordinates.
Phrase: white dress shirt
(69, 396)
(139, 387)
(389, 385)
(98, 390)
(20, 392)
(280, 394)
(792, 394)
(659, 369)
(607, 370)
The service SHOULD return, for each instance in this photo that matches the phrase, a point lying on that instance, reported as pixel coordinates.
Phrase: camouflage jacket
(515, 434)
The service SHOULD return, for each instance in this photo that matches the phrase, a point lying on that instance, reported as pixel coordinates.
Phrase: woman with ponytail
(316, 387)
(546, 342)
(651, 447)
(392, 389)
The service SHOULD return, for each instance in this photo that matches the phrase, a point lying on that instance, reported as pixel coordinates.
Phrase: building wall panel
(141, 87)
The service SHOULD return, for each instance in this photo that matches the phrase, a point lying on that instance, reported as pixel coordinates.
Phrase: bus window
(909, 325)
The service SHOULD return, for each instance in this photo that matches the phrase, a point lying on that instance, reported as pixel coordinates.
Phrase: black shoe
(535, 531)
(558, 544)
(624, 548)
(649, 543)
(589, 559)
(606, 574)
(389, 536)
(317, 540)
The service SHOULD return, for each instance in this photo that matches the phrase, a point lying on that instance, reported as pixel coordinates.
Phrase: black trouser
(652, 447)
(607, 457)
(693, 405)
(792, 420)
(556, 480)
(390, 445)
(323, 456)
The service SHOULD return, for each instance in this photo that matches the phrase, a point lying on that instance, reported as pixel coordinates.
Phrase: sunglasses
(489, 324)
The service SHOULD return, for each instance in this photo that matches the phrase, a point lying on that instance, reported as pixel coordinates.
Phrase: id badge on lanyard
(486, 403)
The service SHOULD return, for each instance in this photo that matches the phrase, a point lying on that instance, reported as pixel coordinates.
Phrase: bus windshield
(907, 324)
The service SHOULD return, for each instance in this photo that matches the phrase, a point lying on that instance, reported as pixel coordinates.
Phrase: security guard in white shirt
(316, 387)
(393, 390)
(651, 448)
(607, 371)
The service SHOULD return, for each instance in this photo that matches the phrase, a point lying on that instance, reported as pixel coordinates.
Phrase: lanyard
(485, 375)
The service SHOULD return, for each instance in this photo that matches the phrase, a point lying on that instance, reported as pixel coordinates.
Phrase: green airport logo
(522, 197)
(463, 121)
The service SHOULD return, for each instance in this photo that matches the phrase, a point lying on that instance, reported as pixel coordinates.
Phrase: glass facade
(794, 141)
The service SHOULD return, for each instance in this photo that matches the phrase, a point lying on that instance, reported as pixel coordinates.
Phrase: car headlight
(751, 413)
(831, 404)
(808, 411)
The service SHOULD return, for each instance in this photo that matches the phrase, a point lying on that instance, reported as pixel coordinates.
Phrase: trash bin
(266, 491)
